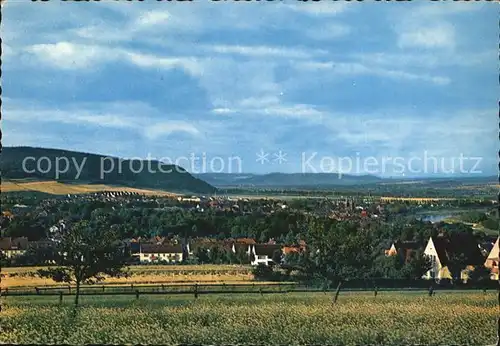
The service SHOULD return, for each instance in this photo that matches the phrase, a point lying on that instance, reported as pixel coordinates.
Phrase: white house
(235, 247)
(13, 247)
(493, 259)
(150, 253)
(440, 249)
(263, 253)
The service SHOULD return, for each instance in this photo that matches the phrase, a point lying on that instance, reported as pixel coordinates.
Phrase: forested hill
(96, 169)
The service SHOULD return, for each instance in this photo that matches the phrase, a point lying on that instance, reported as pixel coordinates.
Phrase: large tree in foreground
(85, 254)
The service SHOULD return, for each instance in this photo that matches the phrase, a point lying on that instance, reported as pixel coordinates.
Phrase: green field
(299, 318)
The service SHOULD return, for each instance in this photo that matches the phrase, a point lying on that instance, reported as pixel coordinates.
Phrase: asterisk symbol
(280, 157)
(262, 157)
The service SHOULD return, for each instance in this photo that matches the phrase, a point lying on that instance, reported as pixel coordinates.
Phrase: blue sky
(329, 80)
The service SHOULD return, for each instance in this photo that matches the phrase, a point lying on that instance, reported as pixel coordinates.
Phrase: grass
(57, 188)
(142, 274)
(357, 318)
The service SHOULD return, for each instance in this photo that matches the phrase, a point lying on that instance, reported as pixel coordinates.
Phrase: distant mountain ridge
(173, 178)
(286, 179)
(325, 180)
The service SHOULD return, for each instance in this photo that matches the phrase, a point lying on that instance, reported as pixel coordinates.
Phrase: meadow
(390, 318)
(58, 188)
(141, 274)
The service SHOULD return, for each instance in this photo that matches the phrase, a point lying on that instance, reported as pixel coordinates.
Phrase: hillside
(51, 187)
(175, 178)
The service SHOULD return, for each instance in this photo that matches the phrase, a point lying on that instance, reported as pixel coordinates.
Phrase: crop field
(416, 199)
(142, 274)
(57, 188)
(295, 318)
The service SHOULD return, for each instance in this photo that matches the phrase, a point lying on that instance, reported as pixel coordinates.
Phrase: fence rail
(232, 289)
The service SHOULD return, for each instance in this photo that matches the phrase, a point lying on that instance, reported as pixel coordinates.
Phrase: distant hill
(286, 180)
(330, 180)
(174, 178)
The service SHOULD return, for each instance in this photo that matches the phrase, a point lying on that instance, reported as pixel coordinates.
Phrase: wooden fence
(229, 289)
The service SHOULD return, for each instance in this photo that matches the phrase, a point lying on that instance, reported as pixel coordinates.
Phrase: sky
(258, 87)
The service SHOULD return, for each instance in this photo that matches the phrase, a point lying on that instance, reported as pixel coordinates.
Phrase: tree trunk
(77, 293)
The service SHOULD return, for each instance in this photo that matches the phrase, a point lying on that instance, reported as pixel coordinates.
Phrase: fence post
(60, 297)
(195, 291)
(260, 290)
(337, 292)
(136, 294)
(103, 288)
(37, 290)
(498, 332)
(376, 291)
(431, 291)
(69, 289)
(163, 287)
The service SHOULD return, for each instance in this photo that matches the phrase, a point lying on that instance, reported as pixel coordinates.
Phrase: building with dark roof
(263, 253)
(12, 247)
(442, 249)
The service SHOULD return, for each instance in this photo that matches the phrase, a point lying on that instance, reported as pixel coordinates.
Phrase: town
(257, 231)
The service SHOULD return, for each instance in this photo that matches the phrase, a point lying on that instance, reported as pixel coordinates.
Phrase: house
(247, 241)
(493, 259)
(294, 248)
(263, 253)
(403, 249)
(441, 249)
(12, 247)
(40, 244)
(239, 247)
(151, 253)
(8, 215)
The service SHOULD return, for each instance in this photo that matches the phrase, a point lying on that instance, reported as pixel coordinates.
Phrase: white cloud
(300, 111)
(222, 110)
(168, 127)
(436, 36)
(328, 32)
(67, 55)
(354, 68)
(427, 60)
(392, 132)
(274, 107)
(153, 18)
(323, 8)
(108, 115)
(266, 51)
(429, 26)
(189, 64)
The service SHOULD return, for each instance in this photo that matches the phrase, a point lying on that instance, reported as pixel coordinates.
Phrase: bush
(263, 272)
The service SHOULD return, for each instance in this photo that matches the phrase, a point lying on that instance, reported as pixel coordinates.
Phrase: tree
(84, 254)
(263, 272)
(4, 261)
(456, 263)
(388, 267)
(417, 265)
(277, 256)
(292, 259)
(242, 256)
(480, 274)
